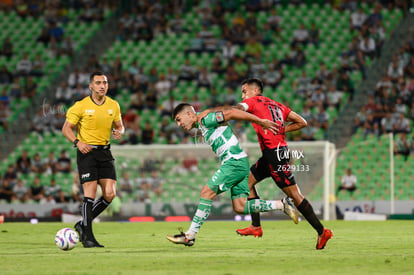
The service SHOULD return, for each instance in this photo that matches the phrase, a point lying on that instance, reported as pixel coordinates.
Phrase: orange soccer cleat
(256, 232)
(323, 239)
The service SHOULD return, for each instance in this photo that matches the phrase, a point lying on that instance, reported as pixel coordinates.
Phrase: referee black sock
(255, 216)
(99, 206)
(307, 211)
(87, 217)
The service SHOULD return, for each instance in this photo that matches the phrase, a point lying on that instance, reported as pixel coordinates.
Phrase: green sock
(200, 216)
(258, 205)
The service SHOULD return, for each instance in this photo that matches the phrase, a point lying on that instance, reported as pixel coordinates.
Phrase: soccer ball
(66, 239)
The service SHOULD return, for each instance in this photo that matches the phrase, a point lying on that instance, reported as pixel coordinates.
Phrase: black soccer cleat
(79, 229)
(91, 243)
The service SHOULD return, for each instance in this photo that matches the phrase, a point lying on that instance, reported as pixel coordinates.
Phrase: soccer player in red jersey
(275, 156)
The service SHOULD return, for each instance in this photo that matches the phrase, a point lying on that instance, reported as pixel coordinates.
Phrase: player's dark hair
(95, 73)
(180, 107)
(254, 81)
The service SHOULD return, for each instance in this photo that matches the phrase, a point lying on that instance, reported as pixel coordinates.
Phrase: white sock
(190, 234)
(279, 205)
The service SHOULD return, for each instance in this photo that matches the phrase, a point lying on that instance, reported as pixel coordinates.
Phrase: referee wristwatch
(75, 142)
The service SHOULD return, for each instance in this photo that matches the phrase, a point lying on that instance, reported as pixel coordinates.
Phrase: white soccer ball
(66, 239)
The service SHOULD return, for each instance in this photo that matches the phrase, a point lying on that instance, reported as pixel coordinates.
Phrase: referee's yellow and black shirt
(94, 121)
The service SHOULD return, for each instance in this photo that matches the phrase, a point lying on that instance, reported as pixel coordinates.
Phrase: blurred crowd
(238, 46)
(238, 53)
(390, 107)
(21, 82)
(238, 49)
(33, 179)
(52, 179)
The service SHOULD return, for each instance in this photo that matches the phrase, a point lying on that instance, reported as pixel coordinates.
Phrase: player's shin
(255, 216)
(307, 211)
(202, 213)
(87, 216)
(99, 206)
(258, 205)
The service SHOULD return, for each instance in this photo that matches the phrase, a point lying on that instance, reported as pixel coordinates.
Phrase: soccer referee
(95, 117)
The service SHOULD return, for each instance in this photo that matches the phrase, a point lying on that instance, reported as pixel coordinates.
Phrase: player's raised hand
(201, 115)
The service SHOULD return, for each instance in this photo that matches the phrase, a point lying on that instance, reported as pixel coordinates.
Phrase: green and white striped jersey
(220, 137)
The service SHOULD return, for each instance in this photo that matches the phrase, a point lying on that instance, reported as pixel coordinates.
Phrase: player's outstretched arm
(298, 122)
(219, 109)
(235, 114)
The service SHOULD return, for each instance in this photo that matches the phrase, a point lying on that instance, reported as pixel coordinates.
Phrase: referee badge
(110, 112)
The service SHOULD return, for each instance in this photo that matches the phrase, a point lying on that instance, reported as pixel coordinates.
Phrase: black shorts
(273, 164)
(95, 165)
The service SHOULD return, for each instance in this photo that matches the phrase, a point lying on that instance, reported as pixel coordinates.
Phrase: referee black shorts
(275, 164)
(95, 165)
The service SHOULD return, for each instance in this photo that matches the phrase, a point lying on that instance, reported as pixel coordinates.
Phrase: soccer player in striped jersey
(274, 161)
(233, 174)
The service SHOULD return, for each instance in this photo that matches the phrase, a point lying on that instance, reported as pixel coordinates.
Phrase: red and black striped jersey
(267, 108)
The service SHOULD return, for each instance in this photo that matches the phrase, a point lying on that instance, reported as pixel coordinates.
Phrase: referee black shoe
(91, 243)
(79, 229)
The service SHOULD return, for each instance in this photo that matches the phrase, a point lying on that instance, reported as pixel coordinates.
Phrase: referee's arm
(68, 132)
(118, 129)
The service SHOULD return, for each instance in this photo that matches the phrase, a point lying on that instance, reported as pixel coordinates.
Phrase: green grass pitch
(141, 248)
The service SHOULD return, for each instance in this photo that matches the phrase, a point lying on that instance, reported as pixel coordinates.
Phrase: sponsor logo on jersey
(89, 112)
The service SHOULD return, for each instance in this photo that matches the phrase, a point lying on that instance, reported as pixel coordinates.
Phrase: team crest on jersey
(110, 111)
(89, 112)
(219, 117)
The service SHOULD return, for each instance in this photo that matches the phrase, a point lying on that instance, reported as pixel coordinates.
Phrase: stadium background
(140, 44)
